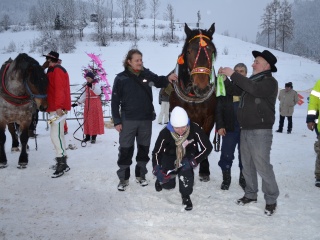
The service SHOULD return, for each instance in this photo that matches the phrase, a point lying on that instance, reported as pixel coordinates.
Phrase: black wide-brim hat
(53, 55)
(269, 57)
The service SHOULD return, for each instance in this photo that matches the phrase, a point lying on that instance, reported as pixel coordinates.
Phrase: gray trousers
(255, 155)
(141, 132)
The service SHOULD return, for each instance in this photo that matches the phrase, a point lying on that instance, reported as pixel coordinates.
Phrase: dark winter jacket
(131, 99)
(226, 113)
(257, 105)
(164, 152)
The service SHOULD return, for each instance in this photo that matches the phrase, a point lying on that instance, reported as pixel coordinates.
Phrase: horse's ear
(212, 29)
(187, 30)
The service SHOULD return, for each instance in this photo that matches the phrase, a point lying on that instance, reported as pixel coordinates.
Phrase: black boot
(242, 181)
(93, 138)
(226, 179)
(86, 139)
(61, 168)
(158, 186)
(187, 202)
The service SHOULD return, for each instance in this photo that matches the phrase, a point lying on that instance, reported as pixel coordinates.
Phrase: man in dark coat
(132, 113)
(228, 127)
(256, 116)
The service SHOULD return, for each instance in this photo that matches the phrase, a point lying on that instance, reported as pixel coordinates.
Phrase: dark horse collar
(18, 100)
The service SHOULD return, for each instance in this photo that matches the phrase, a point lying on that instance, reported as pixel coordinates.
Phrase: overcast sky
(240, 18)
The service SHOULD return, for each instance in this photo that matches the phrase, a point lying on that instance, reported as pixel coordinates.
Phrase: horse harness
(202, 45)
(14, 99)
(196, 70)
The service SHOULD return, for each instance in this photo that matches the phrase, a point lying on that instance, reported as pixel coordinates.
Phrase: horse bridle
(202, 45)
(197, 70)
(22, 99)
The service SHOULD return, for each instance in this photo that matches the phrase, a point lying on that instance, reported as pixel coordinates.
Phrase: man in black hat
(288, 99)
(256, 116)
(59, 102)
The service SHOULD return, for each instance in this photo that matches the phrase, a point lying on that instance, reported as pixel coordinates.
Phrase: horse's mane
(31, 69)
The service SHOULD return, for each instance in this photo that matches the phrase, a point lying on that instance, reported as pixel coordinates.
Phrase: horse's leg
(3, 157)
(15, 140)
(23, 159)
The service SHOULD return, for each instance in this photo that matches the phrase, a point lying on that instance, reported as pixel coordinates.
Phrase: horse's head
(198, 54)
(34, 79)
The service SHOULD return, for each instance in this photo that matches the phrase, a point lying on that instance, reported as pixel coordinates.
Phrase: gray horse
(23, 89)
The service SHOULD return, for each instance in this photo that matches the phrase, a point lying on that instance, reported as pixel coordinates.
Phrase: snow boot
(158, 186)
(317, 184)
(270, 209)
(86, 139)
(93, 139)
(122, 186)
(142, 181)
(226, 179)
(244, 201)
(204, 178)
(187, 202)
(61, 167)
(242, 181)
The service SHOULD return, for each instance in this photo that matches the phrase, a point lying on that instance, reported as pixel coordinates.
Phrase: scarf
(180, 150)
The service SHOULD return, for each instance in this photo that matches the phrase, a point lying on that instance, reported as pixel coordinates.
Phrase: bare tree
(124, 9)
(286, 23)
(154, 5)
(33, 14)
(81, 16)
(111, 18)
(275, 9)
(267, 24)
(5, 22)
(138, 7)
(102, 20)
(169, 15)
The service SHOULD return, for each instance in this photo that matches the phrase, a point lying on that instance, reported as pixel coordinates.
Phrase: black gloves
(74, 105)
(89, 85)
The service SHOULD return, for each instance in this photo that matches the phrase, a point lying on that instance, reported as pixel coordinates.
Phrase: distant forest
(292, 28)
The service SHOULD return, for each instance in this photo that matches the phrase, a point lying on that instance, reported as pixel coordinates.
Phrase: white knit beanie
(179, 117)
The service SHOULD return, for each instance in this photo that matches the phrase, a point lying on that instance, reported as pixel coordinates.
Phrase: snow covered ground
(85, 203)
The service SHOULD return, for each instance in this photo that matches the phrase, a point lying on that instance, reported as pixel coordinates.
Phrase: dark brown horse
(195, 91)
(23, 89)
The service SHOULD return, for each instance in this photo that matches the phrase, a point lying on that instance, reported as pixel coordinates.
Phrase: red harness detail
(202, 45)
(9, 93)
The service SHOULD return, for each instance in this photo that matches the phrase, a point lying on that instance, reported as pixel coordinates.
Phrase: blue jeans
(229, 143)
(255, 154)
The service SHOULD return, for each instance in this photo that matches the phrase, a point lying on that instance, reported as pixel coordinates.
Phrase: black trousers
(281, 122)
(186, 181)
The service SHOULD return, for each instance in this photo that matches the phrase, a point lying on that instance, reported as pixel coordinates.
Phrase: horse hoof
(22, 166)
(204, 178)
(3, 165)
(15, 149)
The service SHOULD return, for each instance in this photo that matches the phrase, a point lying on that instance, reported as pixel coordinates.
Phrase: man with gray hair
(256, 116)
